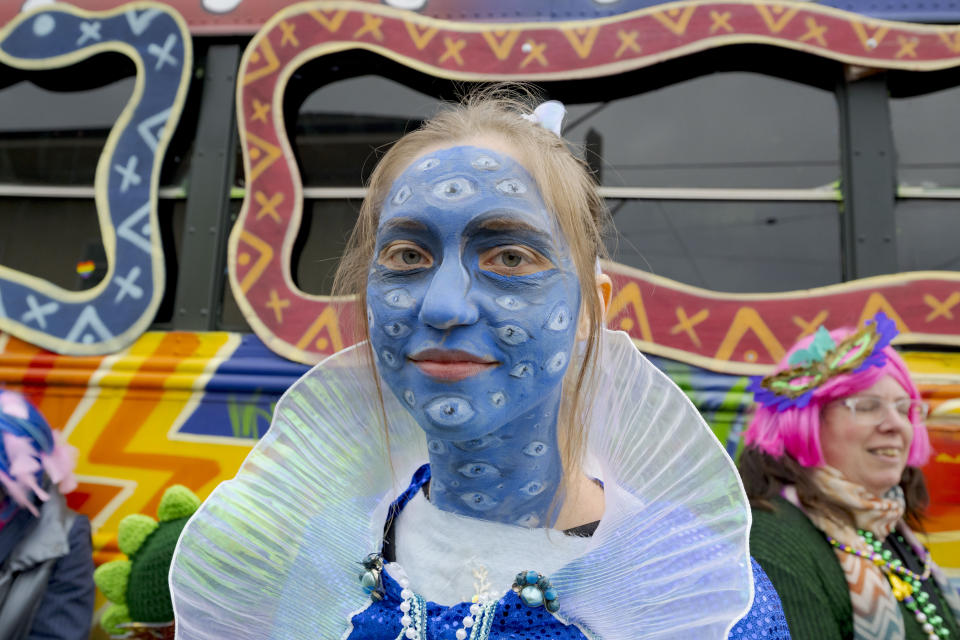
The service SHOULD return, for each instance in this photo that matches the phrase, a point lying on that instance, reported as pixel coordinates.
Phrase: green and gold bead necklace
(903, 582)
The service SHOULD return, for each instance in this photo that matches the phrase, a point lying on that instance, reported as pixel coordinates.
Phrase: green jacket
(803, 567)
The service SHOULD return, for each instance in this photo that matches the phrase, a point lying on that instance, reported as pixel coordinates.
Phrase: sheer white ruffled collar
(274, 552)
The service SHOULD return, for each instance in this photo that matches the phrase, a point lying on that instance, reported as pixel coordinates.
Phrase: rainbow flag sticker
(85, 268)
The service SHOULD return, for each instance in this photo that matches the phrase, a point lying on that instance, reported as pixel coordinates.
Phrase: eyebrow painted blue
(476, 343)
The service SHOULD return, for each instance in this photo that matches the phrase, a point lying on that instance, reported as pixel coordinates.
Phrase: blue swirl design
(113, 314)
(535, 449)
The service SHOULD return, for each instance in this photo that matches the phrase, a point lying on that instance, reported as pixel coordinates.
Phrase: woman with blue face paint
(475, 289)
(561, 486)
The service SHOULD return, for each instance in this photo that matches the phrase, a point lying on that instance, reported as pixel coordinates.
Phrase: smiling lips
(890, 453)
(451, 365)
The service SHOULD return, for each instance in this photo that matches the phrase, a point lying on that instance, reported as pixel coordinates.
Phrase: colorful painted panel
(246, 16)
(739, 333)
(114, 313)
(305, 327)
(173, 408)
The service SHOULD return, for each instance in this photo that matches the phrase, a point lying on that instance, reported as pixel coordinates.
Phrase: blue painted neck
(513, 470)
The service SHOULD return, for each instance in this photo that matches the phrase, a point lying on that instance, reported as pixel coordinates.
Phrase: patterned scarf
(876, 612)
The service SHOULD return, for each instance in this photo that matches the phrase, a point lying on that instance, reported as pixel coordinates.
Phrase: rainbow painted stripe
(85, 268)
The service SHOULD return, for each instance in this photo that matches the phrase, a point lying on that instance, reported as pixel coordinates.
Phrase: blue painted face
(473, 297)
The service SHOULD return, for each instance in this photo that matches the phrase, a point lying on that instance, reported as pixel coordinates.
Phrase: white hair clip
(548, 115)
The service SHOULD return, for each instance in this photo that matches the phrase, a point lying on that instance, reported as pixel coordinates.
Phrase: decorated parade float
(166, 261)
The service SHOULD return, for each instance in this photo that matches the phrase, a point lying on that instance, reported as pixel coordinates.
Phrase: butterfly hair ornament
(823, 360)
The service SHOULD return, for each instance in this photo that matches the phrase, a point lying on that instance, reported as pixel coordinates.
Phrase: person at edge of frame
(832, 468)
(46, 555)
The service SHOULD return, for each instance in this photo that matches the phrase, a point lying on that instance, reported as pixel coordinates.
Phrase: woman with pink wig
(832, 469)
(46, 562)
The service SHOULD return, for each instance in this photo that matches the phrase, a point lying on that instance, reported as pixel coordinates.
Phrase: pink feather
(17, 492)
(14, 405)
(21, 454)
(60, 463)
(24, 464)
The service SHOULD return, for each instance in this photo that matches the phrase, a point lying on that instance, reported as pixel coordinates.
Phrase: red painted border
(304, 327)
(740, 333)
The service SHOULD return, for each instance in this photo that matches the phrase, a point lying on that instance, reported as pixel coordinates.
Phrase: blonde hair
(568, 190)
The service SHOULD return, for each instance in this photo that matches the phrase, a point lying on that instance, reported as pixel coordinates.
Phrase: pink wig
(796, 431)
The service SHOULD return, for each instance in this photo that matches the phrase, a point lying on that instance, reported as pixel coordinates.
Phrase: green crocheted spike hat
(137, 587)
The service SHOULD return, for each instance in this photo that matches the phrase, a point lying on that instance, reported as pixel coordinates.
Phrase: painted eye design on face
(535, 449)
(428, 164)
(454, 189)
(497, 399)
(396, 329)
(485, 163)
(449, 412)
(478, 444)
(399, 299)
(511, 187)
(512, 335)
(513, 260)
(409, 397)
(436, 446)
(557, 362)
(511, 303)
(479, 470)
(522, 370)
(559, 320)
(479, 501)
(387, 358)
(436, 486)
(529, 520)
(403, 194)
(369, 318)
(533, 488)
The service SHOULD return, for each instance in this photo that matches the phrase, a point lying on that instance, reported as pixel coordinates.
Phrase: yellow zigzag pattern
(94, 423)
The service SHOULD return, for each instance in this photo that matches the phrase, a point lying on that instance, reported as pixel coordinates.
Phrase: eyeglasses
(871, 410)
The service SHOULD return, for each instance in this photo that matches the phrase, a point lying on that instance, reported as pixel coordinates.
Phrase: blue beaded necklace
(533, 588)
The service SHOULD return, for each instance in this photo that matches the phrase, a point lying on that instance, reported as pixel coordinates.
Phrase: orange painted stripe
(18, 346)
(21, 352)
(139, 401)
(39, 374)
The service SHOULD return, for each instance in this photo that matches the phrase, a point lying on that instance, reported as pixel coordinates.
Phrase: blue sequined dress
(513, 620)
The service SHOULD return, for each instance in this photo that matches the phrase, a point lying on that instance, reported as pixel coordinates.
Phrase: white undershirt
(445, 555)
